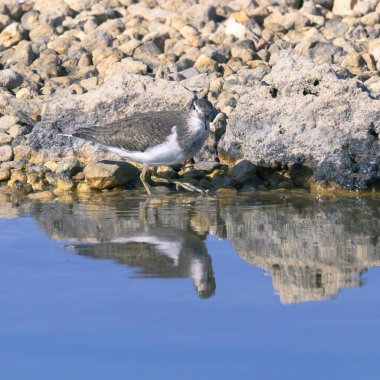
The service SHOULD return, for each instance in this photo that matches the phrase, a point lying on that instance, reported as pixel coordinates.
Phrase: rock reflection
(312, 248)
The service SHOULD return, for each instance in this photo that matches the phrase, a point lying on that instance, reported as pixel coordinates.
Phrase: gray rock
(98, 39)
(242, 170)
(126, 66)
(69, 167)
(10, 79)
(148, 53)
(305, 114)
(207, 166)
(326, 52)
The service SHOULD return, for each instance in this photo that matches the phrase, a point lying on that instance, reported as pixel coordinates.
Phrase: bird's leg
(186, 186)
(142, 178)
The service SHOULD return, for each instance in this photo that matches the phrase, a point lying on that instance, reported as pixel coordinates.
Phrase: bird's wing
(135, 133)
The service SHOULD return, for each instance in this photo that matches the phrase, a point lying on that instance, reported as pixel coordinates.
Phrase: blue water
(65, 315)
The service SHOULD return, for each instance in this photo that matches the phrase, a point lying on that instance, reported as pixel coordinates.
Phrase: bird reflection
(164, 252)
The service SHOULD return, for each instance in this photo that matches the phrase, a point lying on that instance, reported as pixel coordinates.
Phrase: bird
(156, 138)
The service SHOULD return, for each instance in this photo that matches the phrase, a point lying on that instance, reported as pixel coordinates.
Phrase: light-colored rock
(6, 153)
(205, 64)
(125, 66)
(5, 138)
(355, 63)
(11, 35)
(343, 7)
(306, 115)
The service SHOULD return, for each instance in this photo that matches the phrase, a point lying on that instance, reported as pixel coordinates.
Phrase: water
(117, 286)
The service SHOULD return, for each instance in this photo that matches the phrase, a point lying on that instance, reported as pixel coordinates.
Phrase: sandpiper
(156, 138)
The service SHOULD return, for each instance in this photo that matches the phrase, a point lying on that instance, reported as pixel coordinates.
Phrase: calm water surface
(114, 286)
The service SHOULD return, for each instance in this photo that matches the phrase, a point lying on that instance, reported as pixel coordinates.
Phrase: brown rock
(11, 35)
(5, 174)
(64, 183)
(108, 174)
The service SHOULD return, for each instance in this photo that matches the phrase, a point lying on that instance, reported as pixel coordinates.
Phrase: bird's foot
(178, 183)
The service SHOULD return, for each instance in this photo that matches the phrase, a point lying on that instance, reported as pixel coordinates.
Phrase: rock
(5, 20)
(10, 79)
(21, 187)
(343, 7)
(80, 5)
(58, 6)
(5, 174)
(371, 18)
(98, 39)
(22, 54)
(150, 13)
(126, 66)
(304, 113)
(6, 153)
(148, 53)
(83, 187)
(11, 35)
(242, 171)
(207, 166)
(205, 64)
(326, 52)
(18, 175)
(18, 130)
(29, 20)
(105, 175)
(64, 183)
(69, 167)
(355, 63)
(5, 138)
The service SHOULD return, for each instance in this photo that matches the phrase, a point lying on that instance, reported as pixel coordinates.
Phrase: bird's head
(203, 109)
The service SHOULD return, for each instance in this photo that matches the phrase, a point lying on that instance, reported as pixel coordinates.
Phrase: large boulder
(305, 118)
(120, 97)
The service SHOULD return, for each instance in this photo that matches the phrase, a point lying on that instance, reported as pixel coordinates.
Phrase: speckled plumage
(137, 132)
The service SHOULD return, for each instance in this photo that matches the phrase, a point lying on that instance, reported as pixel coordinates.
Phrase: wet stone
(65, 183)
(22, 187)
(69, 167)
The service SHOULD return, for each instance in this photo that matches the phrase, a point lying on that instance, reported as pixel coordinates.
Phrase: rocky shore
(296, 84)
